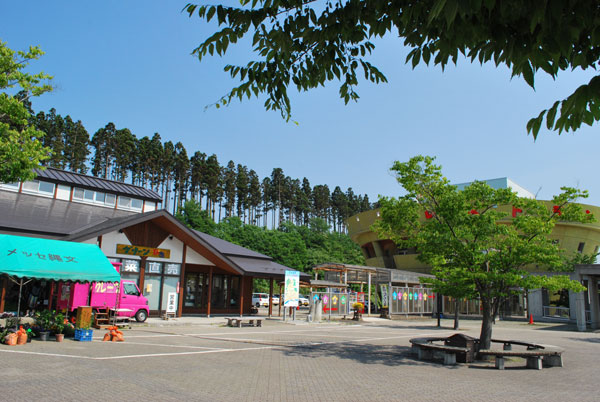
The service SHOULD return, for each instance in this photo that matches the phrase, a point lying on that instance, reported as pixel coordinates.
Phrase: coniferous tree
(306, 201)
(197, 166)
(212, 182)
(77, 141)
(124, 146)
(103, 143)
(181, 170)
(241, 185)
(277, 178)
(229, 176)
(266, 193)
(168, 166)
(255, 197)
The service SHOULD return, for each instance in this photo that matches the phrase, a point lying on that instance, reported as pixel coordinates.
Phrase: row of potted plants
(46, 322)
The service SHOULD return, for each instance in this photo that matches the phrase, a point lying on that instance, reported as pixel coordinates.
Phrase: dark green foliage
(305, 44)
(297, 247)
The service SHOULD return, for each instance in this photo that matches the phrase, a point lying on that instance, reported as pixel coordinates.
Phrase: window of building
(136, 204)
(94, 197)
(39, 187)
(111, 199)
(10, 186)
(88, 195)
(580, 247)
(124, 202)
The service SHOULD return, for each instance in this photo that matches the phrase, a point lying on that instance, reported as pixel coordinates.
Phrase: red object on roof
(428, 215)
(473, 212)
(556, 210)
(516, 211)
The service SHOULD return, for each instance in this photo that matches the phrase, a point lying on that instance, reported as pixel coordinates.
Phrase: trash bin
(462, 341)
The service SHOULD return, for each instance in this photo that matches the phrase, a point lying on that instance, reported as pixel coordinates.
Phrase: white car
(260, 299)
(303, 301)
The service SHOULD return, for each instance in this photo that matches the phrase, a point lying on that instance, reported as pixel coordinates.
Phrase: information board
(292, 288)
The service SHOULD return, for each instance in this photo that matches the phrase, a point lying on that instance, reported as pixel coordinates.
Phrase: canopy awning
(28, 257)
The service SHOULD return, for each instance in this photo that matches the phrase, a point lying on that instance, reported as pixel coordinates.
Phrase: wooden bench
(537, 355)
(239, 321)
(425, 349)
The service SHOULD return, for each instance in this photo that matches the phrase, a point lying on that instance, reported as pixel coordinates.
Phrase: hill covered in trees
(295, 246)
(223, 190)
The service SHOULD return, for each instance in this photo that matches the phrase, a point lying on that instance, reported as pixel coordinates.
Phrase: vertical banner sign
(292, 288)
(384, 295)
(172, 302)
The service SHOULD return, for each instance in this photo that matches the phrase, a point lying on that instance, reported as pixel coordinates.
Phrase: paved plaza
(338, 361)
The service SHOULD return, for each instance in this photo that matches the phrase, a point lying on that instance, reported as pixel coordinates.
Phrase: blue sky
(129, 62)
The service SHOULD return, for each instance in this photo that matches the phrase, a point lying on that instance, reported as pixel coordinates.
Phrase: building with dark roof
(210, 275)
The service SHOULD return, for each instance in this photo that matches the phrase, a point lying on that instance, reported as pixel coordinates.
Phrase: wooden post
(181, 283)
(51, 295)
(210, 275)
(142, 273)
(242, 297)
(271, 298)
(3, 293)
(280, 299)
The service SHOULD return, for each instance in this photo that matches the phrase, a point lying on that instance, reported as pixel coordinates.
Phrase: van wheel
(141, 316)
(257, 305)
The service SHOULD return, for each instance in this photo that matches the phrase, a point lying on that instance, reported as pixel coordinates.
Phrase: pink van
(125, 296)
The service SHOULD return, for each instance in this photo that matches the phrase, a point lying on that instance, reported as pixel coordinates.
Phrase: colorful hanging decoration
(473, 212)
(516, 211)
(428, 215)
(556, 210)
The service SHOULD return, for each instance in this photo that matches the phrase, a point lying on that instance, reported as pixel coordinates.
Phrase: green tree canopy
(470, 238)
(305, 43)
(20, 148)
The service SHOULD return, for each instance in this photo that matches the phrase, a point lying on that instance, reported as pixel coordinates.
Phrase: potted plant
(44, 320)
(59, 326)
(358, 307)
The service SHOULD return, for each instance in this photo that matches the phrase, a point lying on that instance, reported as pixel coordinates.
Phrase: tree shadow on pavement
(389, 355)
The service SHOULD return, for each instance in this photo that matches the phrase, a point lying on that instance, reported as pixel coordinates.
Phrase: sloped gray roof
(96, 183)
(229, 248)
(47, 217)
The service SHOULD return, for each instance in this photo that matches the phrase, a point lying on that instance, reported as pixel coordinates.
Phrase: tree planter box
(83, 335)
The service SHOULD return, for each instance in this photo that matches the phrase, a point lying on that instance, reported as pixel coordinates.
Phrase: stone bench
(239, 321)
(425, 349)
(536, 355)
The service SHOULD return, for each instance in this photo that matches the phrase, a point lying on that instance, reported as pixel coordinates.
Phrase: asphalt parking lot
(296, 362)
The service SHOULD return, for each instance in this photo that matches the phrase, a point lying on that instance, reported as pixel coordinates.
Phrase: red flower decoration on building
(516, 211)
(556, 210)
(473, 212)
(428, 215)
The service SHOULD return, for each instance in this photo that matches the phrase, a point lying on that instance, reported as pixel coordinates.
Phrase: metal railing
(557, 312)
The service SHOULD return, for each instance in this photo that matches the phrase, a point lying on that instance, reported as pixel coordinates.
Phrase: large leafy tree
(306, 43)
(20, 148)
(471, 239)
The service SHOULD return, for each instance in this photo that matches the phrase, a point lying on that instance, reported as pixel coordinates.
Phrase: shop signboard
(384, 295)
(143, 251)
(292, 288)
(172, 302)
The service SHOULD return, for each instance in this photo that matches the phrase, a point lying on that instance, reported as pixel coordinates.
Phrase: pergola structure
(345, 274)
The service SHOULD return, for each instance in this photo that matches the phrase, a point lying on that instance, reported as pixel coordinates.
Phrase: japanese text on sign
(143, 251)
(45, 257)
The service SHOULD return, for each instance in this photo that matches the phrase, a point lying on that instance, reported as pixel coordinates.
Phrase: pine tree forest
(223, 190)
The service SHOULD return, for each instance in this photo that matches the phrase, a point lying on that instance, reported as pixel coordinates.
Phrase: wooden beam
(3, 293)
(51, 295)
(142, 273)
(181, 282)
(271, 297)
(210, 275)
(242, 297)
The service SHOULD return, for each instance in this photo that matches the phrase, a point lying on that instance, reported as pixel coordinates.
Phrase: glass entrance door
(194, 287)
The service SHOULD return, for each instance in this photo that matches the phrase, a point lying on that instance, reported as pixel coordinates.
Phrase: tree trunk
(456, 321)
(485, 337)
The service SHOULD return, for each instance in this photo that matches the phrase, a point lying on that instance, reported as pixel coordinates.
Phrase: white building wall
(193, 257)
(176, 247)
(109, 245)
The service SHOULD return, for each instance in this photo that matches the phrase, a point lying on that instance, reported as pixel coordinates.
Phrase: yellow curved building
(378, 252)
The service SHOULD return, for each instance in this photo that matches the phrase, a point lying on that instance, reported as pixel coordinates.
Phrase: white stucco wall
(193, 257)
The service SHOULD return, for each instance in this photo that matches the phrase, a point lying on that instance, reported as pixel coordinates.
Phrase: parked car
(260, 299)
(275, 300)
(303, 301)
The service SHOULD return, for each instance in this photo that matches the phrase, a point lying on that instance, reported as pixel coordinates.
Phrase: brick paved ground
(285, 362)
